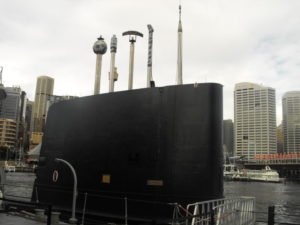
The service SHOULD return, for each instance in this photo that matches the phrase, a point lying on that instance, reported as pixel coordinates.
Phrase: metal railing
(222, 212)
(239, 211)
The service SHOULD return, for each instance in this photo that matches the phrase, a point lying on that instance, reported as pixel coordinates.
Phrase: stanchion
(212, 217)
(49, 215)
(271, 215)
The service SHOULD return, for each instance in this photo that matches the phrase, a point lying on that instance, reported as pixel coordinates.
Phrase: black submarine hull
(137, 151)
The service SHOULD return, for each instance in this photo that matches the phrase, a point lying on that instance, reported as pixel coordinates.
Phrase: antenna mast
(1, 69)
(149, 64)
(179, 50)
(99, 48)
(132, 39)
(112, 74)
(2, 89)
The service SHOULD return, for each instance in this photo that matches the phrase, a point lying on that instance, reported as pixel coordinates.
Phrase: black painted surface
(171, 134)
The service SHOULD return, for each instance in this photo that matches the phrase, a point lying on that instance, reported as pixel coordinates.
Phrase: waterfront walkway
(8, 219)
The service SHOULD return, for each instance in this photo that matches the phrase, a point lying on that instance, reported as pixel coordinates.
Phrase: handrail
(239, 210)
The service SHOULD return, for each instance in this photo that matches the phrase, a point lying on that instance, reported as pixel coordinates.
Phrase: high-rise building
(291, 121)
(44, 89)
(228, 137)
(12, 108)
(11, 105)
(21, 122)
(28, 114)
(8, 132)
(279, 136)
(254, 120)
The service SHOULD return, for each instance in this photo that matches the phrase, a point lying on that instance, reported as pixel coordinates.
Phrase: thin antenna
(179, 12)
(132, 39)
(112, 74)
(2, 90)
(179, 50)
(149, 63)
(1, 69)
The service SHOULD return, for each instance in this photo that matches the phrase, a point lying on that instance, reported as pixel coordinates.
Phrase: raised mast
(179, 50)
(112, 73)
(149, 63)
(99, 48)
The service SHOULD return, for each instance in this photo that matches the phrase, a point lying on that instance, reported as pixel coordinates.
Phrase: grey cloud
(224, 41)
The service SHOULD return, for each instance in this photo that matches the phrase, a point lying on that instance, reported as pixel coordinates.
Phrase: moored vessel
(231, 172)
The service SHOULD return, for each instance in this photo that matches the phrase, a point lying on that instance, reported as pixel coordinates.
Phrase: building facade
(279, 136)
(8, 131)
(228, 137)
(11, 105)
(13, 108)
(291, 121)
(44, 89)
(254, 120)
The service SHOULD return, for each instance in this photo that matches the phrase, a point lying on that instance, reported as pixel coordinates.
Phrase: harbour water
(284, 196)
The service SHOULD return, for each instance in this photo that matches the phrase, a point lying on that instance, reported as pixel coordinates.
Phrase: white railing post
(84, 207)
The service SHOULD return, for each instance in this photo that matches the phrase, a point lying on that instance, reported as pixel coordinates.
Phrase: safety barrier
(222, 212)
(235, 211)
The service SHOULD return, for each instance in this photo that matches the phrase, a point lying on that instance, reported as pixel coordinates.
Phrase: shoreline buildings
(254, 120)
(44, 89)
(12, 116)
(291, 121)
(228, 137)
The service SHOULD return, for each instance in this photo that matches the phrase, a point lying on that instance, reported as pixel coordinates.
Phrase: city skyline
(223, 42)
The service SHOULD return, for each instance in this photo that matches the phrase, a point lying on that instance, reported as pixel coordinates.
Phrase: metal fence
(236, 211)
(225, 211)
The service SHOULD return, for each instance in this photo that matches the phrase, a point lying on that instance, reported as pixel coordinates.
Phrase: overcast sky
(224, 41)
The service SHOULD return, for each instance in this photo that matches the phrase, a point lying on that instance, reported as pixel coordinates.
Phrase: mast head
(3, 94)
(1, 69)
(113, 44)
(132, 35)
(179, 23)
(150, 28)
(100, 46)
(179, 12)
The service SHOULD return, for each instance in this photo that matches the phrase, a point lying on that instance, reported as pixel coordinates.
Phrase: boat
(231, 172)
(141, 151)
(9, 168)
